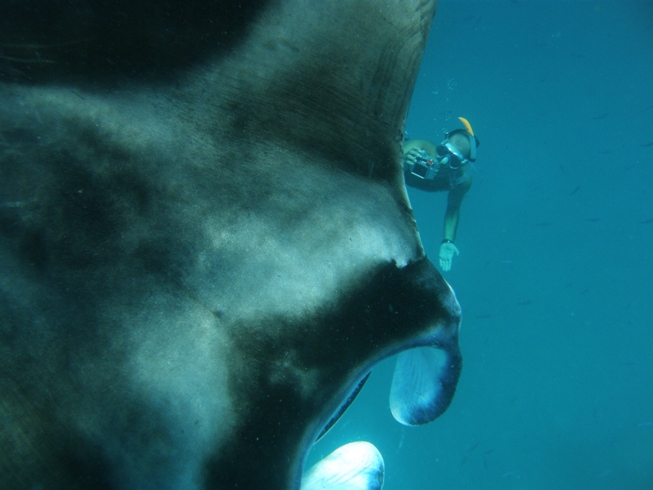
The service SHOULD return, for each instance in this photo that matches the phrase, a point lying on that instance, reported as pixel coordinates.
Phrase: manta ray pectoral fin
(424, 383)
(354, 466)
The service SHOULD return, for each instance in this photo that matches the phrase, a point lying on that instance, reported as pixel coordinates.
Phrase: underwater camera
(424, 167)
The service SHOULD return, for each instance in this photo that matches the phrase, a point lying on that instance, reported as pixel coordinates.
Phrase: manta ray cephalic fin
(424, 383)
(354, 466)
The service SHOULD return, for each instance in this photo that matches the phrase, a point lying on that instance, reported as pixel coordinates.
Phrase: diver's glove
(447, 251)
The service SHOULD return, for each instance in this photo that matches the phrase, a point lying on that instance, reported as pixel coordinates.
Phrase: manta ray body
(205, 240)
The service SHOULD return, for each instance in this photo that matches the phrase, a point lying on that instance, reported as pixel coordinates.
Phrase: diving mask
(449, 155)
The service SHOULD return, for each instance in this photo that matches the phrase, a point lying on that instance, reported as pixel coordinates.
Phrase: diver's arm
(424, 145)
(451, 219)
(452, 214)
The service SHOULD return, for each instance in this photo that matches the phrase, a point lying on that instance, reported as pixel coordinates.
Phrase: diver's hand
(447, 251)
(412, 156)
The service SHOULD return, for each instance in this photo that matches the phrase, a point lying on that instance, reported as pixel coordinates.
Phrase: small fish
(472, 447)
(647, 222)
(543, 223)
(647, 145)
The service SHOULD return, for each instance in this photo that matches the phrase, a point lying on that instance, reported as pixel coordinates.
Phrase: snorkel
(468, 126)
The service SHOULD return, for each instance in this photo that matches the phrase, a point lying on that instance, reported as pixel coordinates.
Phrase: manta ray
(206, 242)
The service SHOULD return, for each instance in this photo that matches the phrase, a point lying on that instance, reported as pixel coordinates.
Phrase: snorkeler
(443, 167)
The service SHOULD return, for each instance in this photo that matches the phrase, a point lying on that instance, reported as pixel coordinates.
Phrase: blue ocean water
(556, 239)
